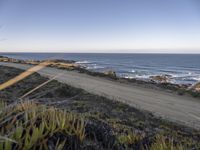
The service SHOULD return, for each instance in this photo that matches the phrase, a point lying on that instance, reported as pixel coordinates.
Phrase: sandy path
(182, 109)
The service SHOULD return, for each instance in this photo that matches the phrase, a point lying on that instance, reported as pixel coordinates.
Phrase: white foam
(137, 76)
(143, 76)
(94, 66)
(83, 62)
(183, 75)
(196, 78)
(129, 77)
(133, 71)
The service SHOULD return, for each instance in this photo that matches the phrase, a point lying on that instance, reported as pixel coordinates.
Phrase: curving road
(181, 109)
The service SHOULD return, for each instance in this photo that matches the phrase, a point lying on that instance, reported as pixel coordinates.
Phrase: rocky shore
(159, 81)
(59, 63)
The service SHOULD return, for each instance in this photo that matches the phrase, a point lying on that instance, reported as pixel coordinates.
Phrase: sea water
(183, 68)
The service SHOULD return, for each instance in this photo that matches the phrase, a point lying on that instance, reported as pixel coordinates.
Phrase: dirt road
(182, 109)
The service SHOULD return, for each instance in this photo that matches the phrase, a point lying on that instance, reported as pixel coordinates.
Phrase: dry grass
(130, 138)
(161, 143)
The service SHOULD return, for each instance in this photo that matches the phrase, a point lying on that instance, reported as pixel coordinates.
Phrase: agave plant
(29, 125)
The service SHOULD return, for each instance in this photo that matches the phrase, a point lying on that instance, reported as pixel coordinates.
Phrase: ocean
(183, 68)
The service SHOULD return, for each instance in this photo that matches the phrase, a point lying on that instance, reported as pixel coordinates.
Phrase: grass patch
(161, 143)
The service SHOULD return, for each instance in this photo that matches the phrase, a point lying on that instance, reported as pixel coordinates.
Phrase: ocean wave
(133, 71)
(83, 62)
(94, 67)
(184, 78)
(131, 76)
(187, 76)
(197, 78)
(179, 75)
(143, 76)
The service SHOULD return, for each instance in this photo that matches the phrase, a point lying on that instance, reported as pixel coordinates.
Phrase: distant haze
(107, 26)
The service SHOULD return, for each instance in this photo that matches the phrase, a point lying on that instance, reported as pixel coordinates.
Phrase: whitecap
(143, 76)
(182, 75)
(94, 66)
(129, 77)
(133, 71)
(83, 62)
(196, 78)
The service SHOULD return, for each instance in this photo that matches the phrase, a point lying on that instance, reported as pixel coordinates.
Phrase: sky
(113, 26)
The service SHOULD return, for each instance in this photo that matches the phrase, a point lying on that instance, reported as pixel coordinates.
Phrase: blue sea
(183, 68)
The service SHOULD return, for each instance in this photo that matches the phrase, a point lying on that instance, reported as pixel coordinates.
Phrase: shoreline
(156, 82)
(130, 66)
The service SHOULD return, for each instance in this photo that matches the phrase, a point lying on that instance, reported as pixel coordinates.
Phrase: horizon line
(99, 52)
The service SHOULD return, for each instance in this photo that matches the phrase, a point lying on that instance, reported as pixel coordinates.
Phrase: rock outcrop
(6, 59)
(58, 63)
(161, 78)
(110, 73)
(196, 87)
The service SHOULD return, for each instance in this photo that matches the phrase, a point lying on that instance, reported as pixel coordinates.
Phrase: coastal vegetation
(27, 125)
(58, 116)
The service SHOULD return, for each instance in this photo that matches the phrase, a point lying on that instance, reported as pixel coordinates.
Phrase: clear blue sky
(100, 25)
